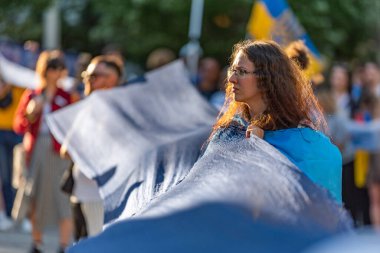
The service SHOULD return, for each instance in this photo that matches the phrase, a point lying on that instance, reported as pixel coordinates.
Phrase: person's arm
(63, 152)
(27, 112)
(34, 108)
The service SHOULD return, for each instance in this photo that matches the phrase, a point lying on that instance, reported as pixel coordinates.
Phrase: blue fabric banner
(141, 144)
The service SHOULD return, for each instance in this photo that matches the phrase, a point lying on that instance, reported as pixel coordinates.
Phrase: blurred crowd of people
(353, 94)
(348, 93)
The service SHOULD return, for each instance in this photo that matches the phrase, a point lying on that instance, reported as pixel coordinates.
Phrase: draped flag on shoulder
(273, 19)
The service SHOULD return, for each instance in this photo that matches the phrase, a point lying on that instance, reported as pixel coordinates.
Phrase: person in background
(103, 72)
(159, 57)
(81, 64)
(31, 53)
(298, 52)
(340, 82)
(370, 101)
(9, 98)
(371, 77)
(48, 205)
(5, 222)
(335, 122)
(131, 70)
(355, 198)
(208, 77)
(357, 83)
(217, 99)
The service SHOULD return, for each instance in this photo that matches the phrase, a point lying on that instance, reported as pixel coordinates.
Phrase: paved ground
(16, 241)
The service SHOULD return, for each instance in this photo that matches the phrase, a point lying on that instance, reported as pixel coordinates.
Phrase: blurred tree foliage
(340, 29)
(142, 25)
(21, 19)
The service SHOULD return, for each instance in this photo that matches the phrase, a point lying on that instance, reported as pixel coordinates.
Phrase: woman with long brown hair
(267, 95)
(49, 205)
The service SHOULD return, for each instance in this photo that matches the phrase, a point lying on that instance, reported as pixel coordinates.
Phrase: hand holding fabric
(251, 129)
(34, 107)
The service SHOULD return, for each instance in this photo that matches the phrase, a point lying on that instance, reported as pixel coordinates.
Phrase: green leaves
(341, 29)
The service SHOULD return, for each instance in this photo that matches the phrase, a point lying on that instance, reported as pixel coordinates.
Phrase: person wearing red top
(49, 204)
(30, 125)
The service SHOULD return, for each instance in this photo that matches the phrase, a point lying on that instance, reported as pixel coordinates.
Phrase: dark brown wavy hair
(286, 91)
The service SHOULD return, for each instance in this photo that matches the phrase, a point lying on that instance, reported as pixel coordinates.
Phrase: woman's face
(99, 76)
(371, 74)
(243, 78)
(339, 79)
(54, 74)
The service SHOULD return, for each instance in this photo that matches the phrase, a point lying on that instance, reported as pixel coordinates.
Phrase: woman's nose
(232, 78)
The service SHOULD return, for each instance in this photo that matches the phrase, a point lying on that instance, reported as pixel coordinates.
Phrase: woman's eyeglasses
(93, 76)
(240, 73)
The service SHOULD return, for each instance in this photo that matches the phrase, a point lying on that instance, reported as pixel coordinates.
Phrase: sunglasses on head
(94, 75)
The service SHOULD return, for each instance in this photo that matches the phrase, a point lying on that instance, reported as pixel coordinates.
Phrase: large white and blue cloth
(141, 144)
(238, 197)
(136, 141)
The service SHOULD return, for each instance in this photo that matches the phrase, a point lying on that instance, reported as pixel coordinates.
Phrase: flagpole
(193, 49)
(52, 27)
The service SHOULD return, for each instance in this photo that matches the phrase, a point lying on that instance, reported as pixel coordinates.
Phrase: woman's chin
(237, 98)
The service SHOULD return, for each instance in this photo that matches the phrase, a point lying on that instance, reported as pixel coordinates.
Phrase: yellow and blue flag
(273, 19)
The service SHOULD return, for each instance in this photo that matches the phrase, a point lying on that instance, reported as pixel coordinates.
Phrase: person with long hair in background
(49, 205)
